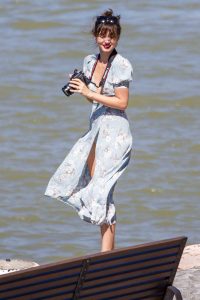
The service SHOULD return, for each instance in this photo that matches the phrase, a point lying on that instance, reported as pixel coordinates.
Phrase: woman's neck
(104, 57)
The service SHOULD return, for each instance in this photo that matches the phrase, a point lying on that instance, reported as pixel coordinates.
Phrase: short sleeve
(87, 64)
(122, 72)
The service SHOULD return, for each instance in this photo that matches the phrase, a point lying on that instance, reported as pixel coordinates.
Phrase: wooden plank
(40, 281)
(124, 276)
(39, 295)
(40, 289)
(44, 279)
(121, 255)
(130, 291)
(121, 284)
(43, 269)
(147, 260)
(148, 296)
(105, 273)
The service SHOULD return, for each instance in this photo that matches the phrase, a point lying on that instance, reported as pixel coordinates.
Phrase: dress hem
(82, 217)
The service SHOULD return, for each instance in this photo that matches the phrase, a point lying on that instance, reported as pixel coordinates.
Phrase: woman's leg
(91, 160)
(107, 237)
(107, 231)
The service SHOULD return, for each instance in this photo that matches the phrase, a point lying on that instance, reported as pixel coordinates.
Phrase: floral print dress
(109, 128)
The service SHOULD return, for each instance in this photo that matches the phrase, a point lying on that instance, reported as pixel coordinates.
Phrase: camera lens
(66, 90)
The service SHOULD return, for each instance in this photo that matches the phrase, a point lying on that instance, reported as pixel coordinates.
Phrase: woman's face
(106, 43)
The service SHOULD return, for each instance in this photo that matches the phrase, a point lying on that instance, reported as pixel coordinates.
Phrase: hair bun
(109, 13)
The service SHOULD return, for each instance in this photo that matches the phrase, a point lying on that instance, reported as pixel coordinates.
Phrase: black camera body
(77, 74)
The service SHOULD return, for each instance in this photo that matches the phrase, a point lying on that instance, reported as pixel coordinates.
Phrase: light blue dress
(109, 128)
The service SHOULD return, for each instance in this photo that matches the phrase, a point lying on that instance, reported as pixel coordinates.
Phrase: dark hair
(101, 28)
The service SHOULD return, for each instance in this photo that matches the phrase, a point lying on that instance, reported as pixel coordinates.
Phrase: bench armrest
(171, 292)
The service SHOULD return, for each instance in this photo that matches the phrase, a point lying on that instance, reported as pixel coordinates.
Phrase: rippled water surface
(158, 196)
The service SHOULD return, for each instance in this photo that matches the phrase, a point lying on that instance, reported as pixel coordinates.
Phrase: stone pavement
(188, 282)
(187, 278)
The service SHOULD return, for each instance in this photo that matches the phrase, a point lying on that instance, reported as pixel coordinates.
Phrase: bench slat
(133, 292)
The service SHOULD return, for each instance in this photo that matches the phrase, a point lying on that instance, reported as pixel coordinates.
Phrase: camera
(77, 74)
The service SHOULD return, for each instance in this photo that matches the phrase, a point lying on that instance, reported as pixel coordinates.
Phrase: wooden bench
(140, 272)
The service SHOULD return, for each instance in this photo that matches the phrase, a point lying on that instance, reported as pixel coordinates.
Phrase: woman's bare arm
(119, 101)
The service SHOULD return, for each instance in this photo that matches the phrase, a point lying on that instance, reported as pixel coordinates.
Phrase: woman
(87, 177)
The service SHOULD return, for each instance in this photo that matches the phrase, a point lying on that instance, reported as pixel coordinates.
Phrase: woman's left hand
(78, 86)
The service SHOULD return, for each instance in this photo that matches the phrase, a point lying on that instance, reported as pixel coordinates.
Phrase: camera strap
(105, 75)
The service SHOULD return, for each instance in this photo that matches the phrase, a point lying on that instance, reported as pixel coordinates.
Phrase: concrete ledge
(12, 265)
(190, 257)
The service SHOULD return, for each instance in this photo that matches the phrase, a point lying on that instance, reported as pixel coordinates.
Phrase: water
(158, 196)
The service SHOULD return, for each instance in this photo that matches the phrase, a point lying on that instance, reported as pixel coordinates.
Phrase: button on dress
(92, 198)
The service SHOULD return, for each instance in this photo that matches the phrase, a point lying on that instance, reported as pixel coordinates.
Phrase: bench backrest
(138, 272)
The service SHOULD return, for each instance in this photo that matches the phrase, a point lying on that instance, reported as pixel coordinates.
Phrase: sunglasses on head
(108, 20)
